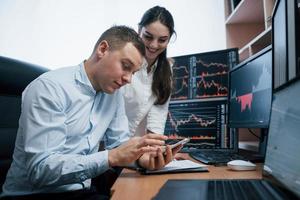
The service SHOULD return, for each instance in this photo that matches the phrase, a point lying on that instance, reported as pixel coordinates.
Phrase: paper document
(179, 166)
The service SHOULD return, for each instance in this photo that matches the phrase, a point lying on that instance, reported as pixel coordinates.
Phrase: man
(66, 112)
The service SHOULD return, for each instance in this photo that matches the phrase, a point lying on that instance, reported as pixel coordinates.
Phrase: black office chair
(14, 77)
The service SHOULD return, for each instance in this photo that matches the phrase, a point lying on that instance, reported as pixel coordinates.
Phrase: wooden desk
(132, 185)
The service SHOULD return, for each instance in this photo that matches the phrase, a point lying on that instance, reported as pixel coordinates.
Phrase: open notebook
(177, 166)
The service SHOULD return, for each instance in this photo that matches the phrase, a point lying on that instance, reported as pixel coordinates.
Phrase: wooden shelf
(268, 9)
(249, 145)
(261, 41)
(247, 11)
(248, 26)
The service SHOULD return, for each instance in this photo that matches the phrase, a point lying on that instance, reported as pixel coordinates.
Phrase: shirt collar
(81, 76)
(145, 65)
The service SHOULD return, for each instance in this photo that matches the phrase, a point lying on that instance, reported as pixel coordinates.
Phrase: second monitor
(203, 122)
(203, 75)
(250, 93)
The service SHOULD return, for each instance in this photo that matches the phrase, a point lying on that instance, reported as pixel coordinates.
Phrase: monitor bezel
(208, 52)
(291, 30)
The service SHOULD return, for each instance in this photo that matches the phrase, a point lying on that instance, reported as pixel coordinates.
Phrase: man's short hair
(118, 36)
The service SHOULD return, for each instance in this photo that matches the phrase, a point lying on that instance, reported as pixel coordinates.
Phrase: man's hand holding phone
(163, 156)
(181, 142)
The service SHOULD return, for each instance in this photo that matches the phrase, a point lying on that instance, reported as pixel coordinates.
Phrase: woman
(147, 97)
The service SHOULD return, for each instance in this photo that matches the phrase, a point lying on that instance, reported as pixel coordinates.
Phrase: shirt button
(83, 177)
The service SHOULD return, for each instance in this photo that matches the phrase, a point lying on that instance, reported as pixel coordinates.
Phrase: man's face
(117, 67)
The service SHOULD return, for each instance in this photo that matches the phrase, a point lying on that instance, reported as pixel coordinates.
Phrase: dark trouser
(104, 182)
(100, 190)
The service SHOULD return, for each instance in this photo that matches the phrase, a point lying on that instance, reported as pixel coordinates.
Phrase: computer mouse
(241, 165)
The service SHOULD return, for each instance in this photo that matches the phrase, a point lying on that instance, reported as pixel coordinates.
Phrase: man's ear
(102, 48)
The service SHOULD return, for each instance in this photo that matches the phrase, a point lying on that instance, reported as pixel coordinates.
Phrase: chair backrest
(14, 77)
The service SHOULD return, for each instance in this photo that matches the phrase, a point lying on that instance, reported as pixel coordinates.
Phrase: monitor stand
(258, 154)
(263, 142)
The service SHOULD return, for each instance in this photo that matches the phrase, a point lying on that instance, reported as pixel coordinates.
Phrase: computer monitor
(203, 121)
(250, 92)
(285, 41)
(203, 75)
(282, 162)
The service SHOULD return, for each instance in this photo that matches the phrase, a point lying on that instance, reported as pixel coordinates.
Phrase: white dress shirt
(139, 100)
(62, 121)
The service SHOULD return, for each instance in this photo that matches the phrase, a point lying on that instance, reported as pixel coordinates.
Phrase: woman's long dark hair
(162, 77)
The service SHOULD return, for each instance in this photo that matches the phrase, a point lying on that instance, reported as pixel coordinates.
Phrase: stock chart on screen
(203, 75)
(251, 92)
(201, 121)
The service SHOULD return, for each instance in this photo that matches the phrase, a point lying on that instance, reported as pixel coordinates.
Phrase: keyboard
(250, 189)
(241, 189)
(215, 157)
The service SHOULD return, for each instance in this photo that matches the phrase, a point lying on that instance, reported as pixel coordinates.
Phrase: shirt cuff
(156, 129)
(99, 162)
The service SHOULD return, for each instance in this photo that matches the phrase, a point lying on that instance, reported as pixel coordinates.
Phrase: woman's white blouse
(142, 114)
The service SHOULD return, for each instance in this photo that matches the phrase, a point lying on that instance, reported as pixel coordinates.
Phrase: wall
(63, 32)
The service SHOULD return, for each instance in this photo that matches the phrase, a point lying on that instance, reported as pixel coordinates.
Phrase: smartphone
(183, 141)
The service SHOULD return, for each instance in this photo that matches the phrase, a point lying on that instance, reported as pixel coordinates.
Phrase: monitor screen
(250, 92)
(201, 121)
(203, 75)
(282, 156)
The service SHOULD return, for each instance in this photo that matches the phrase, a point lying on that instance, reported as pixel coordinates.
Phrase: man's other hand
(134, 148)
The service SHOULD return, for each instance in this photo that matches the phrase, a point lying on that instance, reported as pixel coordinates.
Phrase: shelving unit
(248, 25)
(249, 28)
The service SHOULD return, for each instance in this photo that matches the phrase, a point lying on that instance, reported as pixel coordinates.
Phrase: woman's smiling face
(156, 38)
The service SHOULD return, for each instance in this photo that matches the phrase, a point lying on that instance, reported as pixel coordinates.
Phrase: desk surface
(132, 185)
